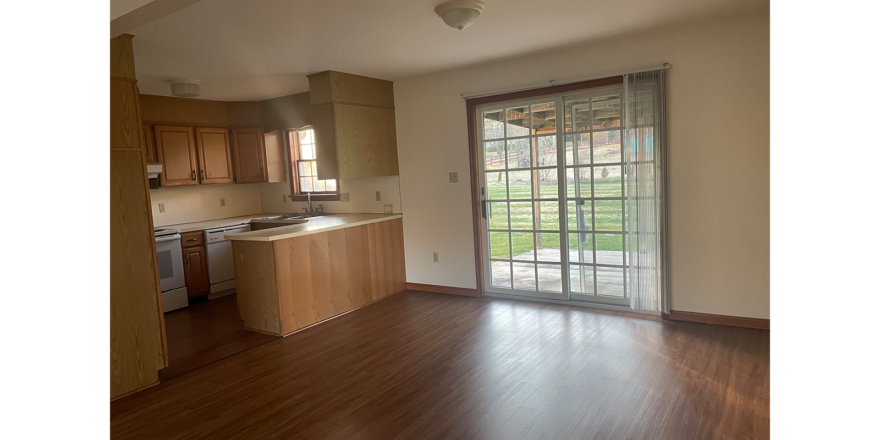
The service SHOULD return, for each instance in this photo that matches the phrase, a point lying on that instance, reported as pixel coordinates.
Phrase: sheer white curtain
(645, 134)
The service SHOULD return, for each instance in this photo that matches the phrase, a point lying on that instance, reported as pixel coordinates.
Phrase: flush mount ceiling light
(459, 14)
(185, 88)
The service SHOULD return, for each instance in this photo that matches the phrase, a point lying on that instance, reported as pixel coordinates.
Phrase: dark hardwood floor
(205, 332)
(431, 366)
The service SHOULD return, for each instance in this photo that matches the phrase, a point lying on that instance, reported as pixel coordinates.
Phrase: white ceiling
(258, 49)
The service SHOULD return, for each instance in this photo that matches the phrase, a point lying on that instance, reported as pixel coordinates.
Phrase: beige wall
(200, 203)
(719, 136)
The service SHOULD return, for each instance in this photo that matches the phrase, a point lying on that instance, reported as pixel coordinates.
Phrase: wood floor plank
(430, 366)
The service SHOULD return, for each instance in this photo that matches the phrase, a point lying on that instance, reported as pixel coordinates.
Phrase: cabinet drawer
(190, 239)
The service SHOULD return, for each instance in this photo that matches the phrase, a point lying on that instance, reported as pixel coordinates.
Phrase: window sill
(316, 198)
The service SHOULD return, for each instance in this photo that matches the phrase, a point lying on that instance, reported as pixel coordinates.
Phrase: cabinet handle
(192, 239)
(186, 260)
(261, 172)
(194, 175)
(203, 174)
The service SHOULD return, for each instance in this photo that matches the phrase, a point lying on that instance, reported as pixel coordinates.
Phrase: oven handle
(168, 238)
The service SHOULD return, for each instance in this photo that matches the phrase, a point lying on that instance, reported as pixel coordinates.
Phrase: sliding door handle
(484, 203)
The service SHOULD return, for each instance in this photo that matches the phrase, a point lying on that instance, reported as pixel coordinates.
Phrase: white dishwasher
(221, 264)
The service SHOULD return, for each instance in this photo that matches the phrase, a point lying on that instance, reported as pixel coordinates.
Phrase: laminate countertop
(217, 223)
(315, 225)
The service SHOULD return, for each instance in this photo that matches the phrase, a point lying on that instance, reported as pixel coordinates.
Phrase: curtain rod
(554, 82)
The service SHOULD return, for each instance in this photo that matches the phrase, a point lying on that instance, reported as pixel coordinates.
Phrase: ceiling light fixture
(185, 88)
(459, 14)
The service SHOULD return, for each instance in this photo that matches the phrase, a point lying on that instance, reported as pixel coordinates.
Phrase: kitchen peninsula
(291, 277)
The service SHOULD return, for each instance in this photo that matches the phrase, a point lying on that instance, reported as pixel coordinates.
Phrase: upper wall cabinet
(249, 154)
(193, 156)
(215, 157)
(149, 144)
(177, 153)
(355, 133)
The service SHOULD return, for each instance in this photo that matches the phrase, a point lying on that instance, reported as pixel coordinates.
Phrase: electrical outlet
(436, 257)
(389, 208)
(161, 208)
(345, 197)
(222, 202)
(283, 198)
(378, 196)
(453, 177)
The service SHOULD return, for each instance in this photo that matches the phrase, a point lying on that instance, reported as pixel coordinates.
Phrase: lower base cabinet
(195, 271)
(285, 285)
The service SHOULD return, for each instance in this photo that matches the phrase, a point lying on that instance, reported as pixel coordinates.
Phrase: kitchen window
(304, 171)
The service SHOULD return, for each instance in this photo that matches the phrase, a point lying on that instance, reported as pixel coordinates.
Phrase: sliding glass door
(553, 197)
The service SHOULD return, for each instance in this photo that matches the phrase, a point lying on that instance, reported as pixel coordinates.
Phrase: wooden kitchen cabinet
(195, 271)
(149, 144)
(249, 155)
(353, 119)
(177, 154)
(215, 156)
(276, 169)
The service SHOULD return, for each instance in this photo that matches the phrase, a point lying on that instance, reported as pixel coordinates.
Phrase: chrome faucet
(309, 210)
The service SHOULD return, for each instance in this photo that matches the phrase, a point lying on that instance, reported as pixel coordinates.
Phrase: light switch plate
(222, 202)
(436, 257)
(378, 196)
(453, 177)
(345, 197)
(161, 208)
(283, 198)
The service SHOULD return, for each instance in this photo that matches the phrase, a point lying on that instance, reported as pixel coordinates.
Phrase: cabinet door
(215, 158)
(195, 271)
(249, 155)
(276, 168)
(149, 144)
(177, 153)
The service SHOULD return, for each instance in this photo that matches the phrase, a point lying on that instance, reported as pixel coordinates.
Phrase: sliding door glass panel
(549, 215)
(545, 147)
(580, 247)
(579, 182)
(521, 215)
(607, 181)
(609, 281)
(554, 192)
(501, 274)
(609, 249)
(549, 247)
(520, 184)
(519, 153)
(524, 277)
(580, 215)
(496, 185)
(493, 125)
(609, 215)
(498, 218)
(550, 277)
(518, 121)
(523, 245)
(499, 245)
(494, 155)
(606, 112)
(581, 279)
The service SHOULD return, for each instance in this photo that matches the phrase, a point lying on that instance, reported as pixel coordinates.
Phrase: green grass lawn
(608, 217)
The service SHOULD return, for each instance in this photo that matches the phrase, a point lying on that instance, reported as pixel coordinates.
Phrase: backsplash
(362, 196)
(200, 203)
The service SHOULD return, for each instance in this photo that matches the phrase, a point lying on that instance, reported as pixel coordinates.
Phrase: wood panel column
(137, 328)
